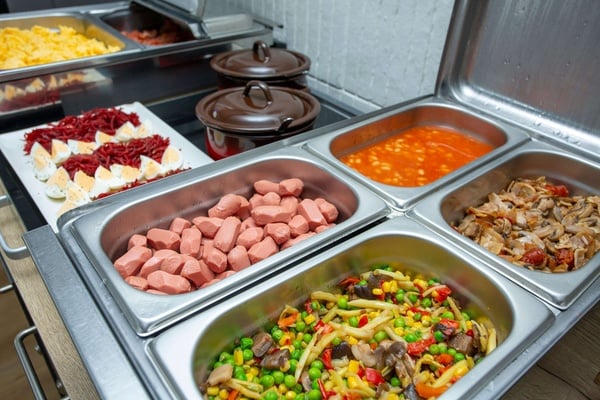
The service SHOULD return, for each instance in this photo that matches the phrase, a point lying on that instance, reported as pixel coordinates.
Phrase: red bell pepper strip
(443, 292)
(418, 347)
(326, 358)
(373, 376)
(363, 320)
(325, 394)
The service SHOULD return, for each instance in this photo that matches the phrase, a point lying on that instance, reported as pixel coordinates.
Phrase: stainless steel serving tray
(185, 352)
(429, 111)
(102, 231)
(532, 159)
(85, 24)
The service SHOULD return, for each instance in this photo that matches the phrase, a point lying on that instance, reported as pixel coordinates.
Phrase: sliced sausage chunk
(227, 234)
(309, 210)
(168, 283)
(137, 282)
(208, 225)
(279, 231)
(263, 249)
(238, 258)
(329, 211)
(291, 187)
(197, 272)
(131, 262)
(250, 237)
(179, 224)
(298, 225)
(163, 239)
(264, 186)
(191, 240)
(267, 214)
(172, 264)
(227, 206)
(137, 240)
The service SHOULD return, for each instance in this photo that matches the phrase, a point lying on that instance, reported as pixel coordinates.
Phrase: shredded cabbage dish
(383, 335)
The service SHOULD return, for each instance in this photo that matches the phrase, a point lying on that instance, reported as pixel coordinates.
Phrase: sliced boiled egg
(43, 167)
(105, 177)
(10, 92)
(56, 185)
(171, 159)
(76, 194)
(150, 169)
(60, 151)
(126, 173)
(84, 181)
(35, 86)
(102, 138)
(79, 147)
(126, 132)
(144, 130)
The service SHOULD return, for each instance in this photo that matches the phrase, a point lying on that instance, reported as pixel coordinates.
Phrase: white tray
(11, 145)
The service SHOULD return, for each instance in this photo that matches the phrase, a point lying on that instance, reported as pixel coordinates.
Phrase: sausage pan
(102, 232)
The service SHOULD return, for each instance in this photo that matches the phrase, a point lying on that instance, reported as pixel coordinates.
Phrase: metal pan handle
(30, 374)
(15, 253)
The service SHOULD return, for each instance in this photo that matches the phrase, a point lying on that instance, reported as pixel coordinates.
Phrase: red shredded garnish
(82, 127)
(127, 153)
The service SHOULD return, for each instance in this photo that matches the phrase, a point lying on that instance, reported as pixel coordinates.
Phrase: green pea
(413, 297)
(465, 316)
(247, 354)
(448, 315)
(225, 356)
(435, 320)
(300, 326)
(267, 381)
(315, 305)
(395, 381)
(452, 351)
(314, 373)
(434, 349)
(400, 295)
(307, 337)
(353, 321)
(297, 344)
(426, 302)
(277, 334)
(399, 322)
(379, 336)
(289, 381)
(293, 364)
(314, 394)
(318, 364)
(246, 342)
(336, 341)
(417, 316)
(362, 282)
(342, 302)
(443, 347)
(278, 376)
(241, 376)
(410, 337)
(439, 336)
(271, 395)
(296, 354)
(459, 356)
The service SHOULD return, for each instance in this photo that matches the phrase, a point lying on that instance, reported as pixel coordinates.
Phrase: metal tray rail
(532, 159)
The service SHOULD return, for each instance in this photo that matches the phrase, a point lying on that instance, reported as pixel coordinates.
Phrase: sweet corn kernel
(353, 366)
(285, 339)
(461, 371)
(353, 382)
(392, 396)
(212, 390)
(282, 388)
(399, 331)
(352, 340)
(254, 371)
(238, 357)
(421, 284)
(223, 394)
(377, 292)
(290, 394)
(469, 324)
(386, 286)
(309, 319)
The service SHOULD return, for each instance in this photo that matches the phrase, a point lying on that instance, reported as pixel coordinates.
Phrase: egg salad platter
(81, 158)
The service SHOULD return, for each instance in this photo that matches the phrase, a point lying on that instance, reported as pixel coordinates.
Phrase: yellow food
(40, 45)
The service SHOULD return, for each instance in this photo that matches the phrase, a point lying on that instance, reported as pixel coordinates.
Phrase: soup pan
(185, 352)
(103, 233)
(438, 112)
(447, 207)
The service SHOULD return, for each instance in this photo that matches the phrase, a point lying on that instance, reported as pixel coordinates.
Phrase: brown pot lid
(262, 62)
(258, 109)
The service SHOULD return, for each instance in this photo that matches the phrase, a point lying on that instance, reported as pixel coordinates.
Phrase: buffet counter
(112, 340)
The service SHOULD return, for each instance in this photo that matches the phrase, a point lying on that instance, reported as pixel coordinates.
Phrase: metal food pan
(533, 159)
(102, 233)
(82, 23)
(431, 111)
(185, 352)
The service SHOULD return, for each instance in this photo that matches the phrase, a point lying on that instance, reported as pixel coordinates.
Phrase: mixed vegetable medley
(384, 335)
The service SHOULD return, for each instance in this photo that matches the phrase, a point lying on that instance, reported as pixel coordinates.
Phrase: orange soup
(417, 156)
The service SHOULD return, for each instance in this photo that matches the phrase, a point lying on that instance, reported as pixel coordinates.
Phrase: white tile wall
(365, 53)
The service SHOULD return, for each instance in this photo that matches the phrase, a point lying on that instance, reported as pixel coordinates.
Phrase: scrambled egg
(40, 45)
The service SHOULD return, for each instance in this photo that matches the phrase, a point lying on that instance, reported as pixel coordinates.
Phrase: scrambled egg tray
(40, 45)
